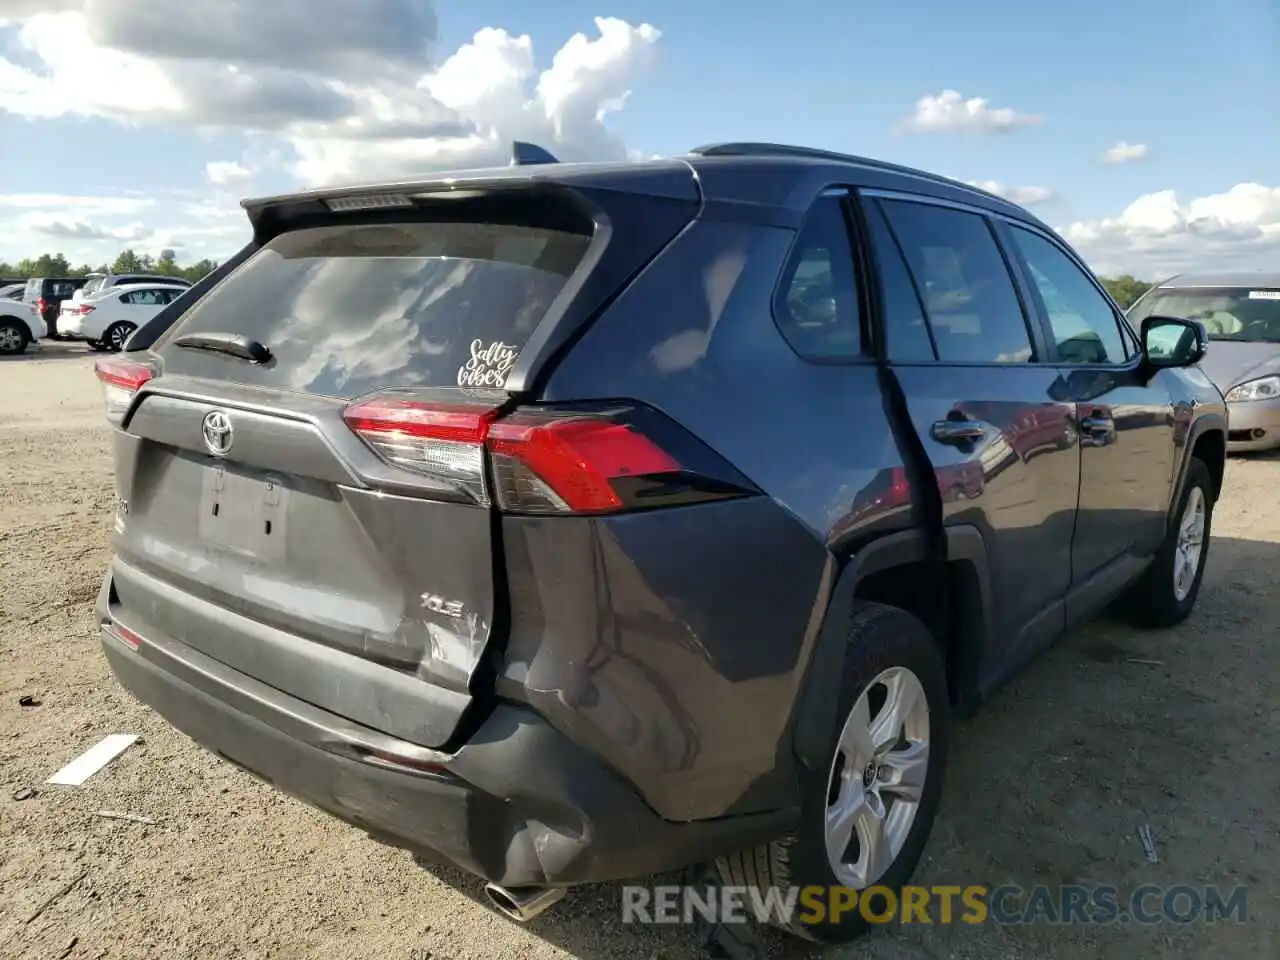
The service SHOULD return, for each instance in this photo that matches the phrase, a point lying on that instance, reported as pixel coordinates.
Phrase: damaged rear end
(312, 456)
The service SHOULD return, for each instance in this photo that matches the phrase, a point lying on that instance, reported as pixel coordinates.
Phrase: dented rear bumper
(518, 805)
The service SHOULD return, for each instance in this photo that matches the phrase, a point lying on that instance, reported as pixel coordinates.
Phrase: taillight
(543, 461)
(120, 380)
(80, 309)
(570, 464)
(442, 442)
(40, 304)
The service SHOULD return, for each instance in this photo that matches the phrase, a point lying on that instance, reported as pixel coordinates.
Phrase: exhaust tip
(522, 904)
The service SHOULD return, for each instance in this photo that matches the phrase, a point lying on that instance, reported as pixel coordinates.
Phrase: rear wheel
(14, 336)
(867, 813)
(97, 345)
(1167, 592)
(116, 335)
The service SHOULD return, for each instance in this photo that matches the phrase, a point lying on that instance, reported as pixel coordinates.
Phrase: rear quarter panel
(674, 642)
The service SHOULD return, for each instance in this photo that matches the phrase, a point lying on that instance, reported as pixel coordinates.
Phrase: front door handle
(957, 431)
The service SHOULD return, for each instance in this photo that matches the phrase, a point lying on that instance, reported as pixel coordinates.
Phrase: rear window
(32, 291)
(94, 285)
(353, 308)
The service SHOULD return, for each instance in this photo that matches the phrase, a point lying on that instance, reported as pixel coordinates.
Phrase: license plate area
(244, 513)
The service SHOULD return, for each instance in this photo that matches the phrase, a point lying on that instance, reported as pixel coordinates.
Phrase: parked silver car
(1241, 312)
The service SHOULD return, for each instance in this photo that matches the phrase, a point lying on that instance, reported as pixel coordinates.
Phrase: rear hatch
(305, 491)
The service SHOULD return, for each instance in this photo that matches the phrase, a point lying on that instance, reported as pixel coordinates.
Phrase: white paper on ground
(94, 759)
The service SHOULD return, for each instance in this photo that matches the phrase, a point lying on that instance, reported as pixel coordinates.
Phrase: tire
(883, 642)
(115, 335)
(14, 336)
(1155, 601)
(96, 345)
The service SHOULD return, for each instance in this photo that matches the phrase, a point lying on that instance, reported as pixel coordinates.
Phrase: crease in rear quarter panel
(694, 337)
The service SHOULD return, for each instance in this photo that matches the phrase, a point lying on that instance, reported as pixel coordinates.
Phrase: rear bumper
(518, 805)
(70, 327)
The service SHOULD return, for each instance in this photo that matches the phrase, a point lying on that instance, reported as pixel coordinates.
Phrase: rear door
(1126, 420)
(968, 358)
(282, 513)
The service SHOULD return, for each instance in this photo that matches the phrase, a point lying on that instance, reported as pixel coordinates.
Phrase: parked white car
(107, 318)
(20, 326)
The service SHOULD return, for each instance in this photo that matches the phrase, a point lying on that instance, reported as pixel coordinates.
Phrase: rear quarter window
(348, 309)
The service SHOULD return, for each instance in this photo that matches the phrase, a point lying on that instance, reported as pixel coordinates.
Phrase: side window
(906, 333)
(1084, 324)
(817, 303)
(969, 296)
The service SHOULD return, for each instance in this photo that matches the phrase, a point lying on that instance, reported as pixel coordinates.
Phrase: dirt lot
(1048, 783)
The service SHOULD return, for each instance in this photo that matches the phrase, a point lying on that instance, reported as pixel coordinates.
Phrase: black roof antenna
(523, 154)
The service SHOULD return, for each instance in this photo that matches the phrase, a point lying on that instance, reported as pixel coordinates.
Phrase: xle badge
(438, 604)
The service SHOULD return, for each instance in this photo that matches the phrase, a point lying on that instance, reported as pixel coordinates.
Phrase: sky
(1145, 131)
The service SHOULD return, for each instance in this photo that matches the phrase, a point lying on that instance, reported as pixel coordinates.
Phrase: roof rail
(526, 154)
(751, 149)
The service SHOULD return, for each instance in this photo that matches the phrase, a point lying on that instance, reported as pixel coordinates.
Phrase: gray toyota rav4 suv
(575, 522)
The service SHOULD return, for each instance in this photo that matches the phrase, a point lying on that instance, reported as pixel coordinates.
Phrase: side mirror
(1173, 342)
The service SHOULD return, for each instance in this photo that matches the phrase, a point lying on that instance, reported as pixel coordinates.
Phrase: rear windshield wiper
(232, 344)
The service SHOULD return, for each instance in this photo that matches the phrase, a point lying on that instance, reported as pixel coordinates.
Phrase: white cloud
(95, 228)
(75, 229)
(949, 112)
(1023, 196)
(222, 172)
(352, 89)
(76, 205)
(1125, 152)
(1158, 234)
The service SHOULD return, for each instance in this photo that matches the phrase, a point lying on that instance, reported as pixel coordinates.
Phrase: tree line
(1124, 288)
(129, 261)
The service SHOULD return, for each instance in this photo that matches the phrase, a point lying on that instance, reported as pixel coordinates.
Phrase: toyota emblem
(217, 433)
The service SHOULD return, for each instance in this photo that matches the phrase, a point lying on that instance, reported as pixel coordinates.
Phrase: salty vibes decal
(488, 365)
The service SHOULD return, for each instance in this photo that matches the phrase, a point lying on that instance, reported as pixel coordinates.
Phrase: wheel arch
(900, 561)
(1207, 442)
(21, 323)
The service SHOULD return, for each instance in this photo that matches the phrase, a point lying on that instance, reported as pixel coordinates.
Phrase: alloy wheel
(877, 777)
(1190, 546)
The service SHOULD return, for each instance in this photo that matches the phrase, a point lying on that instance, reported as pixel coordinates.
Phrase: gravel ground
(1048, 783)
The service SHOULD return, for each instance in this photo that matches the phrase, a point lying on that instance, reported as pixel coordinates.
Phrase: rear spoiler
(531, 166)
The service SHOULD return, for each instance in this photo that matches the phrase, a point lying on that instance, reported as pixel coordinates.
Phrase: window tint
(968, 295)
(1083, 321)
(906, 335)
(817, 307)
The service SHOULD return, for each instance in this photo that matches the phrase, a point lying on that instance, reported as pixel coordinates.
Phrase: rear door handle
(957, 431)
(1097, 425)
(1097, 429)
